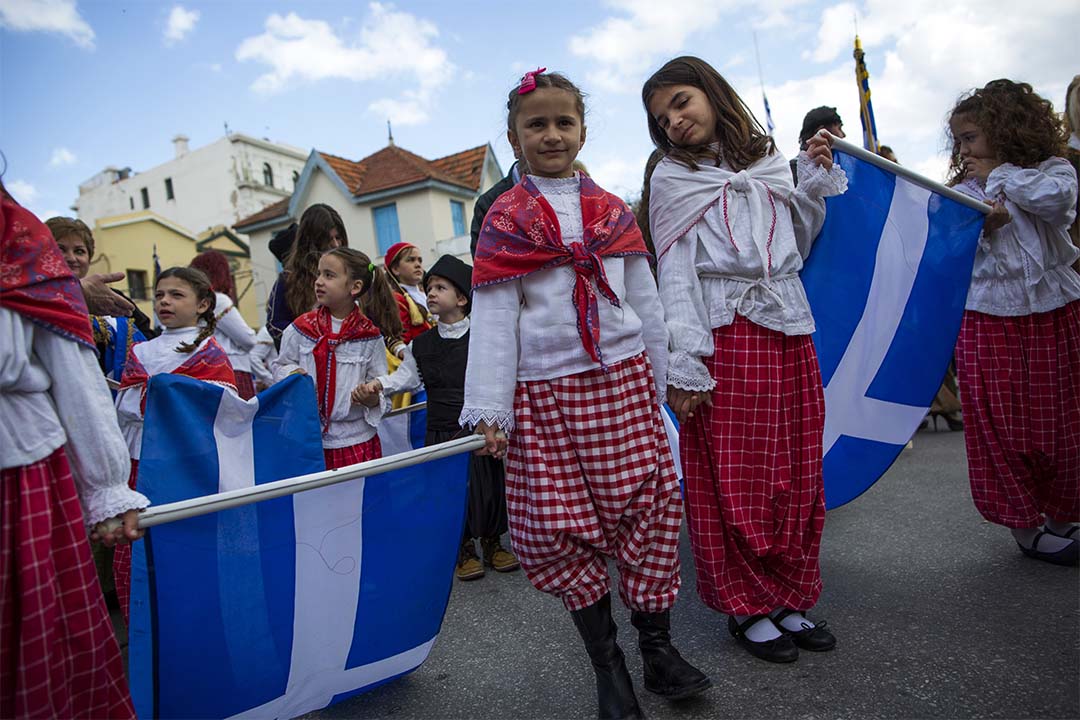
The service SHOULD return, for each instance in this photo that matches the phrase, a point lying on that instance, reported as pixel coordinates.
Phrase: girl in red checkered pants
(731, 233)
(567, 332)
(1018, 355)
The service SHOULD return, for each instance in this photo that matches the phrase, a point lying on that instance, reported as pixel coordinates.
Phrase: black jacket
(484, 203)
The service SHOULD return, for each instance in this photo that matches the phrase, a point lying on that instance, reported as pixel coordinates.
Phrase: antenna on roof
(226, 128)
(389, 132)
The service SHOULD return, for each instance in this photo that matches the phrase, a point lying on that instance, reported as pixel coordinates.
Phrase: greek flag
(288, 605)
(887, 280)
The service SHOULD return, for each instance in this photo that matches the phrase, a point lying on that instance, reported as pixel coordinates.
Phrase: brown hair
(216, 266)
(1020, 126)
(742, 139)
(544, 80)
(642, 213)
(203, 291)
(312, 240)
(63, 226)
(376, 297)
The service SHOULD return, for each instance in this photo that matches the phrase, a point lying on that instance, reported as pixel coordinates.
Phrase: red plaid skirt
(245, 385)
(589, 474)
(59, 657)
(353, 454)
(752, 465)
(122, 559)
(1020, 392)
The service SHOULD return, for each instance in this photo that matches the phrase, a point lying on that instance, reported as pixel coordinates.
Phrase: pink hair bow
(528, 82)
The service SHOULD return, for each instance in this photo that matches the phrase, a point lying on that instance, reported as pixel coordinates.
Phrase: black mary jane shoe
(777, 650)
(1068, 534)
(1069, 556)
(813, 637)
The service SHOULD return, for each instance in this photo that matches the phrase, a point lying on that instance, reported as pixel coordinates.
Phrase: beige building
(393, 195)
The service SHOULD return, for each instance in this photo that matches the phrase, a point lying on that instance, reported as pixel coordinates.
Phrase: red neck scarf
(316, 326)
(208, 363)
(521, 235)
(34, 279)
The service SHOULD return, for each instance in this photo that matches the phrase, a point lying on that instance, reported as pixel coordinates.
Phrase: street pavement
(937, 614)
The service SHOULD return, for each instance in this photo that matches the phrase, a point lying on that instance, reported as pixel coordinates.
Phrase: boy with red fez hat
(438, 358)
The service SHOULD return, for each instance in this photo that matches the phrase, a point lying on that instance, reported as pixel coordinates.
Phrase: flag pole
(920, 180)
(194, 507)
(761, 81)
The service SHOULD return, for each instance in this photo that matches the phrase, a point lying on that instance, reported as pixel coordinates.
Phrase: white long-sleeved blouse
(526, 329)
(262, 357)
(358, 362)
(407, 376)
(1023, 267)
(233, 334)
(52, 393)
(709, 274)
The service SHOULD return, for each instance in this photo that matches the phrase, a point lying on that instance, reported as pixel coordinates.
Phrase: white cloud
(181, 22)
(58, 16)
(619, 175)
(391, 44)
(62, 156)
(22, 191)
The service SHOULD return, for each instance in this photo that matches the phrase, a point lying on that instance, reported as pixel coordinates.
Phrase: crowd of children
(560, 345)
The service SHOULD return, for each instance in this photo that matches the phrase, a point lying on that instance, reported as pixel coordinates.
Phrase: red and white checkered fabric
(122, 559)
(589, 474)
(58, 655)
(752, 466)
(245, 385)
(361, 452)
(1020, 393)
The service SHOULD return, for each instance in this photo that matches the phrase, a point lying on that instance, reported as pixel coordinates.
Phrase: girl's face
(409, 269)
(177, 305)
(548, 131)
(973, 142)
(335, 239)
(334, 288)
(76, 254)
(684, 114)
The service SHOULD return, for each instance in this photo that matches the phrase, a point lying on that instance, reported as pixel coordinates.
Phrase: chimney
(180, 143)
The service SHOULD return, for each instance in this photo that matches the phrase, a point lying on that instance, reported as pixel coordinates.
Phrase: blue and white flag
(288, 605)
(887, 280)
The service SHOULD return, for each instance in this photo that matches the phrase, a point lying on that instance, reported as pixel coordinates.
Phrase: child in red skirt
(1018, 355)
(343, 350)
(567, 331)
(63, 470)
(731, 233)
(184, 302)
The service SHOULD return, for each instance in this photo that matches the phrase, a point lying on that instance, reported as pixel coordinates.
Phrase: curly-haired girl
(1018, 354)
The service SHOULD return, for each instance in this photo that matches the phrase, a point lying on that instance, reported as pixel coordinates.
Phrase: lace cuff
(503, 419)
(372, 415)
(103, 503)
(817, 182)
(688, 372)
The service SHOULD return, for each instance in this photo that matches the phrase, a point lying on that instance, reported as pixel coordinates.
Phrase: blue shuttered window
(457, 211)
(387, 231)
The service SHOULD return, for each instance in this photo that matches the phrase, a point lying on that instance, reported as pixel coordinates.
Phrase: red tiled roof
(275, 210)
(467, 165)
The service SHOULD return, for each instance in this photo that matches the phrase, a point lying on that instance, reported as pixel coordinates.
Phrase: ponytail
(376, 299)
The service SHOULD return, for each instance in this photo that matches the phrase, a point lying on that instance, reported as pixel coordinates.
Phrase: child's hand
(365, 395)
(495, 440)
(118, 530)
(684, 402)
(979, 168)
(819, 150)
(998, 217)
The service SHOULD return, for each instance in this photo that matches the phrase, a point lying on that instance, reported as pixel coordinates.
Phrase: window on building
(145, 198)
(268, 175)
(457, 212)
(168, 189)
(387, 231)
(131, 201)
(295, 179)
(137, 285)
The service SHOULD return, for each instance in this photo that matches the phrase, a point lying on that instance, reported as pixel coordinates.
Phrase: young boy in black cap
(820, 117)
(438, 358)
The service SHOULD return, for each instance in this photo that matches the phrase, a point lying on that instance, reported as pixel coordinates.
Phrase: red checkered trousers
(353, 454)
(245, 384)
(589, 475)
(1020, 393)
(122, 560)
(752, 467)
(58, 655)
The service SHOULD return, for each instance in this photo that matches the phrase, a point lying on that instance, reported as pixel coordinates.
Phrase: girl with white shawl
(731, 233)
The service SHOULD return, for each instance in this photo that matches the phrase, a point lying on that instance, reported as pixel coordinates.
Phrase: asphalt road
(937, 614)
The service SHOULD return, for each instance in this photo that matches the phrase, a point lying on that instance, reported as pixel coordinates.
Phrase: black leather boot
(666, 672)
(614, 689)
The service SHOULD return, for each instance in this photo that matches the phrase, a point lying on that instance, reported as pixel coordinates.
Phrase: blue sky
(89, 84)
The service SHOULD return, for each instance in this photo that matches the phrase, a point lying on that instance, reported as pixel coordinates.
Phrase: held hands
(367, 394)
(101, 300)
(495, 440)
(998, 217)
(118, 530)
(819, 150)
(684, 402)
